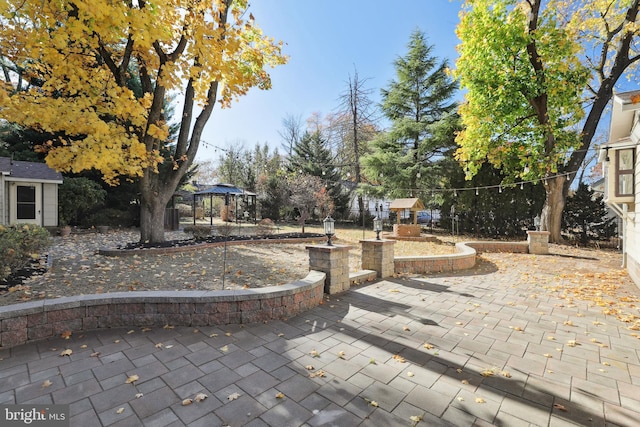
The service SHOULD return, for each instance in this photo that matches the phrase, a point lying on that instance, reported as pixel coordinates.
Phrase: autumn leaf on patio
(131, 379)
(559, 407)
(233, 396)
(66, 335)
(46, 384)
(66, 352)
(200, 397)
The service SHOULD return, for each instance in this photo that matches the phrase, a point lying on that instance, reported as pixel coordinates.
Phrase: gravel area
(77, 269)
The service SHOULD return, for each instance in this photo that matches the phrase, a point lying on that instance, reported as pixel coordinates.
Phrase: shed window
(624, 171)
(26, 202)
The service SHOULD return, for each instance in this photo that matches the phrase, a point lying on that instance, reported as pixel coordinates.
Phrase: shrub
(110, 217)
(18, 243)
(198, 231)
(77, 197)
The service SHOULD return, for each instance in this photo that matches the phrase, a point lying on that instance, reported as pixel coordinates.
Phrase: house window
(26, 202)
(624, 172)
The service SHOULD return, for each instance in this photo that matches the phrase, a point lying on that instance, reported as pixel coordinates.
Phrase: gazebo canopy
(221, 190)
(414, 205)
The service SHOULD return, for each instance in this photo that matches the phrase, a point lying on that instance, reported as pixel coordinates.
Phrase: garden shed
(28, 193)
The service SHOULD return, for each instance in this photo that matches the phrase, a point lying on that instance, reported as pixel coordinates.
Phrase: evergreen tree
(312, 157)
(586, 214)
(406, 158)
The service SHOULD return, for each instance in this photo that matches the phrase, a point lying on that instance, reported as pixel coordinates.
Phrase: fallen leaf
(200, 397)
(139, 395)
(131, 379)
(233, 396)
(505, 374)
(374, 403)
(480, 400)
(213, 335)
(428, 346)
(314, 353)
(116, 341)
(309, 368)
(168, 346)
(224, 349)
(341, 354)
(465, 382)
(120, 410)
(559, 407)
(168, 326)
(145, 329)
(187, 401)
(319, 374)
(280, 395)
(568, 323)
(399, 358)
(83, 346)
(488, 372)
(66, 335)
(131, 332)
(46, 383)
(159, 345)
(96, 354)
(572, 343)
(66, 352)
(228, 334)
(410, 374)
(406, 328)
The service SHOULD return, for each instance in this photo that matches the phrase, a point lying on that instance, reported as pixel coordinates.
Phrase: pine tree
(312, 157)
(406, 157)
(586, 214)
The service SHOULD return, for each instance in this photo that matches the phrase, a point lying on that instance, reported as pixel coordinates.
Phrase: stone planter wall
(36, 320)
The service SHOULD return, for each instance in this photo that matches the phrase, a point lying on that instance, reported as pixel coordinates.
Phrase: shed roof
(28, 170)
(412, 204)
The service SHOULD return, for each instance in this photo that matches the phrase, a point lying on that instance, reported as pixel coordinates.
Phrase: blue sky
(325, 41)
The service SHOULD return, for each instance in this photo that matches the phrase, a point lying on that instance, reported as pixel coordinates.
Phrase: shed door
(26, 204)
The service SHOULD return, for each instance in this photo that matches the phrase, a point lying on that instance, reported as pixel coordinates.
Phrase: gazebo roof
(411, 204)
(222, 189)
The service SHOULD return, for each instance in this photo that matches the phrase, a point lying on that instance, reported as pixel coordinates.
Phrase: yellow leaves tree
(68, 66)
(538, 76)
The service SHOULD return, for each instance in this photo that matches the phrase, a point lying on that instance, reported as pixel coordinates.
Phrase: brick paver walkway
(500, 350)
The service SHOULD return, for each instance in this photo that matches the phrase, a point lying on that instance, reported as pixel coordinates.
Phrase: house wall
(631, 228)
(3, 212)
(50, 205)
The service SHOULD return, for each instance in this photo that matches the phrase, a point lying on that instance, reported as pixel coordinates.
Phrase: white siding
(3, 201)
(50, 205)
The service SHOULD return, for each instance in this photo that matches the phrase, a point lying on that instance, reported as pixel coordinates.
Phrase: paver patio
(501, 350)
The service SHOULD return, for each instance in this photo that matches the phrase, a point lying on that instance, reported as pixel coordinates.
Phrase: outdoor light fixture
(329, 229)
(377, 226)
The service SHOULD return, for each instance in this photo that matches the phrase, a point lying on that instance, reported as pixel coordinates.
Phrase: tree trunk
(556, 192)
(154, 196)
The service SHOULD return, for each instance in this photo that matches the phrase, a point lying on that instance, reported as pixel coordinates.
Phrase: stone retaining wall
(463, 258)
(36, 320)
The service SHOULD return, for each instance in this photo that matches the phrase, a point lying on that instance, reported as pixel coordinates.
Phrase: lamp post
(377, 226)
(329, 228)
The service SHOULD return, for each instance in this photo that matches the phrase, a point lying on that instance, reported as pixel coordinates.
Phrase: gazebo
(231, 193)
(401, 205)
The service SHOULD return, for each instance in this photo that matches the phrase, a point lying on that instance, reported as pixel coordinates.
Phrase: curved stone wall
(20, 323)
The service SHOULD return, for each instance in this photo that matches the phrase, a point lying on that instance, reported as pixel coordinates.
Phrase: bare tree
(292, 131)
(357, 117)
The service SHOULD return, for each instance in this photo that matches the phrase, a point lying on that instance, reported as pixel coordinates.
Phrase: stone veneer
(463, 258)
(35, 320)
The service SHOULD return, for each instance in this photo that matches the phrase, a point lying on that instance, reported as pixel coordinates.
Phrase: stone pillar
(334, 262)
(378, 255)
(538, 242)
